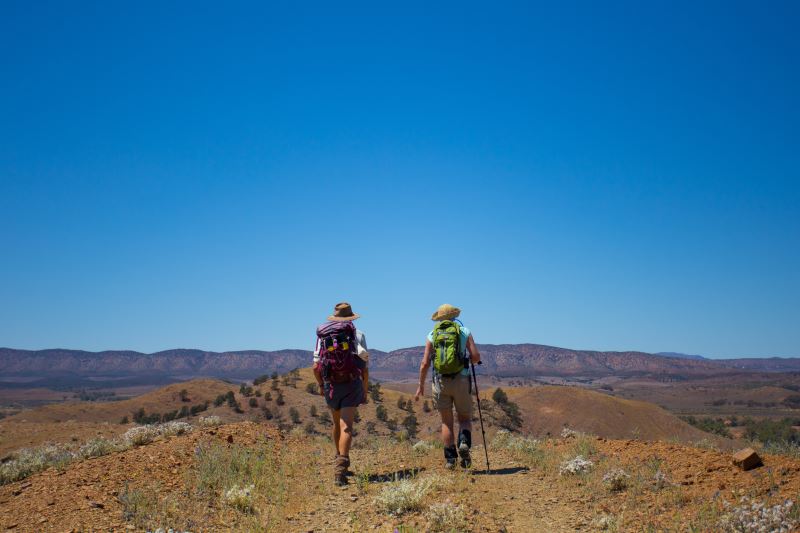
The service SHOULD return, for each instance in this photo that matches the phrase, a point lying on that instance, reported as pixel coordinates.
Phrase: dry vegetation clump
(28, 461)
(446, 517)
(240, 497)
(174, 427)
(209, 421)
(98, 448)
(404, 495)
(422, 447)
(140, 435)
(576, 465)
(754, 516)
(616, 480)
(516, 443)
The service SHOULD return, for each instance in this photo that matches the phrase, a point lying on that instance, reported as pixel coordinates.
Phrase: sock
(465, 436)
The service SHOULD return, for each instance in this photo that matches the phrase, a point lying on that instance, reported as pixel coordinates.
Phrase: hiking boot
(346, 462)
(450, 455)
(340, 470)
(464, 444)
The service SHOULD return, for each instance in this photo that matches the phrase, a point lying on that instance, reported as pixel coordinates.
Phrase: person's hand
(420, 392)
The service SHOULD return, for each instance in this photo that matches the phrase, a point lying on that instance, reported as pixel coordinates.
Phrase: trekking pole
(480, 414)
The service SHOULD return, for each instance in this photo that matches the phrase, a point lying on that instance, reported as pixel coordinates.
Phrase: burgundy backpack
(338, 351)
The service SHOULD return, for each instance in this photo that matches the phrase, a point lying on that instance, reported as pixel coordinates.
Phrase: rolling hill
(65, 367)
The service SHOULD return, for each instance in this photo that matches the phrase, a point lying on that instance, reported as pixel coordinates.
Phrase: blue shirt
(462, 341)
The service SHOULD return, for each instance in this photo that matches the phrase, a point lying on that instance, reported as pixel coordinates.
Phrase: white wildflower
(578, 465)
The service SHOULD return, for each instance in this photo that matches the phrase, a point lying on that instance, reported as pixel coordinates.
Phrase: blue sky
(593, 175)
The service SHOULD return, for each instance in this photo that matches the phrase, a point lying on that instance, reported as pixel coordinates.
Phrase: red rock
(747, 459)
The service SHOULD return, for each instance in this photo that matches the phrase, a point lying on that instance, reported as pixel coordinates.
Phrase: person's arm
(474, 354)
(423, 370)
(317, 371)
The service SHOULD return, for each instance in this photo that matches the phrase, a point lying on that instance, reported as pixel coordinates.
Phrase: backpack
(448, 359)
(337, 352)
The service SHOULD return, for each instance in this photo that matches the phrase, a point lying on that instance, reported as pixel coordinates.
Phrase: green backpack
(448, 359)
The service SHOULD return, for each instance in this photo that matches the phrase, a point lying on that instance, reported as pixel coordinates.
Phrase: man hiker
(340, 367)
(447, 347)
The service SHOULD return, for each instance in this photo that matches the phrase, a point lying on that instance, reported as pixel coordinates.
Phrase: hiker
(447, 346)
(340, 367)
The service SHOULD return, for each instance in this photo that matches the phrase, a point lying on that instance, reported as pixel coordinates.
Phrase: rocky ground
(181, 482)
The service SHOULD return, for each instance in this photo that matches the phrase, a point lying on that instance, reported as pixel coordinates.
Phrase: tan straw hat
(343, 313)
(446, 312)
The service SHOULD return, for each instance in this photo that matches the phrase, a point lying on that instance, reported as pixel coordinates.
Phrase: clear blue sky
(218, 175)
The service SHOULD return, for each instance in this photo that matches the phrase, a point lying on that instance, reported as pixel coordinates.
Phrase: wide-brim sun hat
(343, 313)
(446, 312)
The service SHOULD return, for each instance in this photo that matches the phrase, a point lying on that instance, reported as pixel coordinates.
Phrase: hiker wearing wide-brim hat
(340, 367)
(451, 349)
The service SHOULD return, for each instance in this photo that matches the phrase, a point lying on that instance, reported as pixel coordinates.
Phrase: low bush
(403, 496)
(446, 517)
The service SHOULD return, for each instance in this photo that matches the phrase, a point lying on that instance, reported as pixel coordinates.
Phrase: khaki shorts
(449, 391)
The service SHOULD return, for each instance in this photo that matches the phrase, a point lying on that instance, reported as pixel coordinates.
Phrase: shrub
(219, 400)
(310, 428)
(404, 496)
(411, 425)
(261, 379)
(184, 395)
(253, 402)
(312, 411)
(267, 396)
(391, 424)
(750, 516)
(499, 396)
(97, 448)
(381, 413)
(577, 465)
(31, 460)
(124, 420)
(375, 392)
(422, 447)
(174, 428)
(240, 498)
(140, 435)
(505, 439)
(616, 480)
(312, 388)
(209, 421)
(294, 415)
(279, 400)
(446, 517)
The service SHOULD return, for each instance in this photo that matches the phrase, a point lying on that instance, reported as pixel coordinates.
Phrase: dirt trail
(523, 493)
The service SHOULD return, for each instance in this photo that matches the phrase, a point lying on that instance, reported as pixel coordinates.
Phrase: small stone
(96, 505)
(747, 459)
(353, 498)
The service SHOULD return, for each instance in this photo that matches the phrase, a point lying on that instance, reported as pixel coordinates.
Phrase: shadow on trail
(501, 471)
(395, 476)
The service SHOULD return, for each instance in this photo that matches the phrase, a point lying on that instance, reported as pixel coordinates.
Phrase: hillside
(544, 409)
(182, 481)
(517, 360)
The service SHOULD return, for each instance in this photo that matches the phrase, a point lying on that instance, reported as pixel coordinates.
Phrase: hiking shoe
(450, 455)
(346, 463)
(340, 470)
(464, 444)
(466, 460)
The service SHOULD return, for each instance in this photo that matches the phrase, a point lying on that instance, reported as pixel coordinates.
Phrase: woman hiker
(447, 345)
(340, 367)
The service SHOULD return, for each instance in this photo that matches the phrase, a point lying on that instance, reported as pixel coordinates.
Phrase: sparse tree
(411, 425)
(375, 391)
(499, 396)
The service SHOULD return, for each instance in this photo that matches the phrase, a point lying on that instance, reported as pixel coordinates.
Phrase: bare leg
(336, 415)
(347, 414)
(447, 427)
(464, 422)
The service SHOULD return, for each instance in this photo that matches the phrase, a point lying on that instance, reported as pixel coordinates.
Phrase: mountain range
(509, 360)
